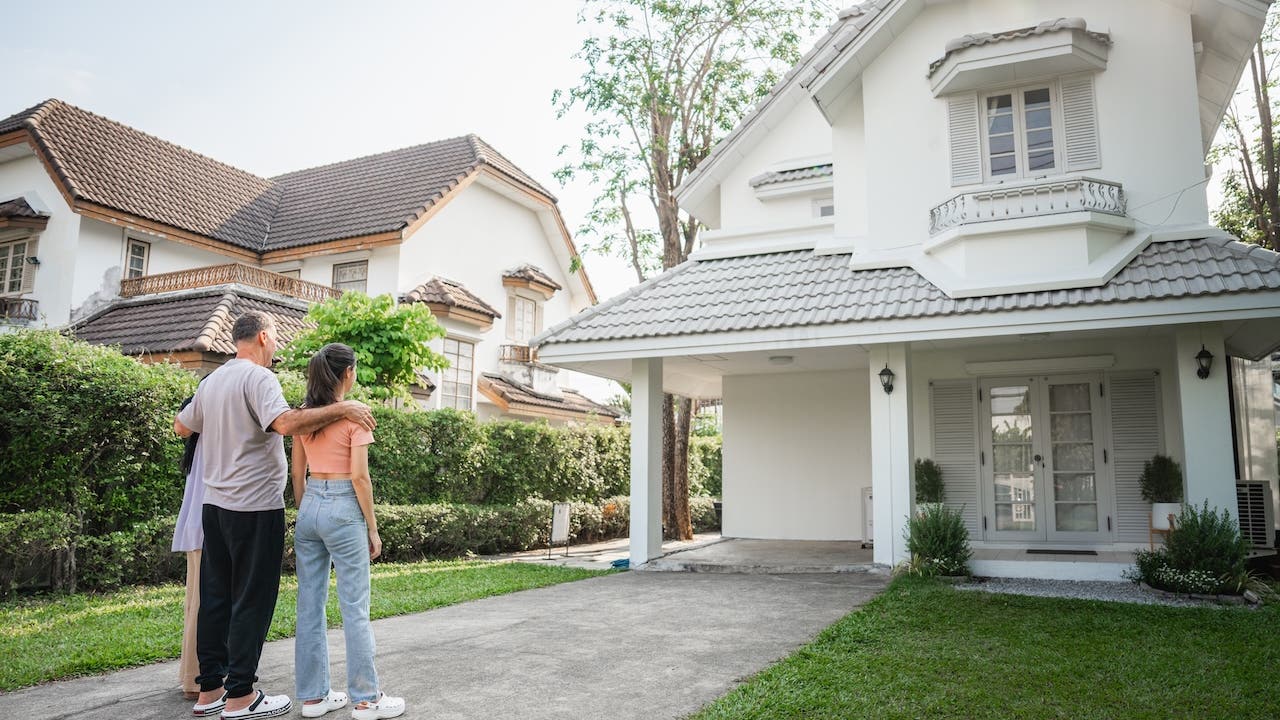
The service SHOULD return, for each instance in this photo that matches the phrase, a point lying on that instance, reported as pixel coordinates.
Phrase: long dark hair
(324, 374)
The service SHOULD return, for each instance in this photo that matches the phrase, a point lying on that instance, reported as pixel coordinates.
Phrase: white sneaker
(333, 701)
(385, 707)
(265, 706)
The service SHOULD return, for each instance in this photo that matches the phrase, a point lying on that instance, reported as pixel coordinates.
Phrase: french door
(1043, 458)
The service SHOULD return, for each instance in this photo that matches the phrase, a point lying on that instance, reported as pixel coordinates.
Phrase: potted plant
(1161, 484)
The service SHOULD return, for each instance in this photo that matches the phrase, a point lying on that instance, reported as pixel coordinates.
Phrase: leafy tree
(390, 340)
(664, 81)
(1250, 208)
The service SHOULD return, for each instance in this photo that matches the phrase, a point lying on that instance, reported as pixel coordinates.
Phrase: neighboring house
(134, 241)
(971, 231)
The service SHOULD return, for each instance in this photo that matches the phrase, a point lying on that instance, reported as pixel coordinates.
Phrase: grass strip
(52, 637)
(923, 649)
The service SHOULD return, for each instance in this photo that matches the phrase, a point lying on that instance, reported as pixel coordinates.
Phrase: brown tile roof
(198, 320)
(511, 391)
(532, 274)
(450, 293)
(18, 208)
(108, 163)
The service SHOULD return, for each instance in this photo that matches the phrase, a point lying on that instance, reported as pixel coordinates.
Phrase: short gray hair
(250, 324)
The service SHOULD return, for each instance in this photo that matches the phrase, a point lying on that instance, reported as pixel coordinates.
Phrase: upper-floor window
(14, 266)
(138, 257)
(824, 208)
(351, 276)
(1018, 132)
(456, 390)
(524, 319)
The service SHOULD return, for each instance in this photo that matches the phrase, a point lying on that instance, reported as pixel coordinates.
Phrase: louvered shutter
(953, 406)
(965, 139)
(510, 320)
(537, 318)
(1135, 437)
(28, 269)
(1080, 124)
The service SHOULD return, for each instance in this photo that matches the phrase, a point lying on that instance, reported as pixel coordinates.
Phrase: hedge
(140, 554)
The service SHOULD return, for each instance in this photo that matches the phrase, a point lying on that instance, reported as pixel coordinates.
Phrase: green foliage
(1161, 480)
(929, 487)
(1204, 553)
(87, 431)
(938, 541)
(138, 555)
(705, 466)
(33, 544)
(390, 340)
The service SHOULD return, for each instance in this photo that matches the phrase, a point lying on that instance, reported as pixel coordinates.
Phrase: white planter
(1160, 513)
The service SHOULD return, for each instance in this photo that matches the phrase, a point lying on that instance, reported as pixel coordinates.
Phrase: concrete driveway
(632, 645)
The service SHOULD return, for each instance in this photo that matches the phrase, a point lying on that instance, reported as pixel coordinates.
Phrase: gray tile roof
(511, 391)
(798, 288)
(781, 176)
(1048, 26)
(111, 164)
(19, 208)
(533, 274)
(197, 320)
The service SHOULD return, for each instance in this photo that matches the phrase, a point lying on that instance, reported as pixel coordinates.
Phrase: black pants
(239, 582)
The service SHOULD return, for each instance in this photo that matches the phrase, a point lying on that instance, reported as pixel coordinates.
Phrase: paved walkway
(632, 645)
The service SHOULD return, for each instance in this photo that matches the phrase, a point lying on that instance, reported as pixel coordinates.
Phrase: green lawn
(55, 637)
(926, 650)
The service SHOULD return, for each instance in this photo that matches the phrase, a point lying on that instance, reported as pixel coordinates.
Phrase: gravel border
(1082, 590)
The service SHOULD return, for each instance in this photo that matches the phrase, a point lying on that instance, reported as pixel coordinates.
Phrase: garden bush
(938, 541)
(705, 466)
(138, 555)
(1203, 554)
(35, 549)
(929, 487)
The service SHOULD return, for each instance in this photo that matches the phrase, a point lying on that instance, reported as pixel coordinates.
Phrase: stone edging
(1220, 599)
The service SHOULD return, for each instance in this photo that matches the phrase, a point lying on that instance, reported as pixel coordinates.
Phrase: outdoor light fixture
(1204, 359)
(33, 260)
(781, 359)
(886, 379)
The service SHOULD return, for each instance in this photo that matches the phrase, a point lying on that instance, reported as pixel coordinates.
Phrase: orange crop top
(329, 449)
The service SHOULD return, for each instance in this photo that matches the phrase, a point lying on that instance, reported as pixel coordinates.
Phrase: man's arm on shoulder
(309, 420)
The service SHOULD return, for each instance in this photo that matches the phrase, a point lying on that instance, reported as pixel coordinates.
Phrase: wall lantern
(33, 260)
(1204, 359)
(886, 379)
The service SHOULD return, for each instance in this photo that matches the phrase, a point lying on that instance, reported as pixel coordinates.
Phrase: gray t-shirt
(244, 465)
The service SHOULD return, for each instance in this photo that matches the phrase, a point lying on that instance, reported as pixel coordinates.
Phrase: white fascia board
(808, 186)
(827, 88)
(1243, 306)
(763, 239)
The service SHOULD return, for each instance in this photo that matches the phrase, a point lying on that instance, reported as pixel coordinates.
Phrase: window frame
(531, 319)
(1017, 94)
(129, 242)
(445, 395)
(27, 242)
(334, 276)
(824, 202)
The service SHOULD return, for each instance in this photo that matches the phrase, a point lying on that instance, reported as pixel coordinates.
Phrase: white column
(646, 460)
(1209, 471)
(891, 452)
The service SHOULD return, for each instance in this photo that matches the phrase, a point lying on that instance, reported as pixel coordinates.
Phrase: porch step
(771, 557)
(1064, 567)
(671, 565)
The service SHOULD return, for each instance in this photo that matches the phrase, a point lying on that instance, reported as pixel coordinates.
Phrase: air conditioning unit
(1257, 513)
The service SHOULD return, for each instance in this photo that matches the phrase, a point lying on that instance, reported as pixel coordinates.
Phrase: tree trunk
(682, 421)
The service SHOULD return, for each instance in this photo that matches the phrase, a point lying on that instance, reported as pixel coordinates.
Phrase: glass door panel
(1012, 480)
(1074, 466)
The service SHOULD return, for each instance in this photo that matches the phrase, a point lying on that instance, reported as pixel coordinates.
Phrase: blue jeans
(331, 529)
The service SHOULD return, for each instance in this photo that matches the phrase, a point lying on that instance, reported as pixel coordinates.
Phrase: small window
(139, 256)
(824, 208)
(524, 318)
(13, 263)
(1018, 132)
(351, 276)
(456, 392)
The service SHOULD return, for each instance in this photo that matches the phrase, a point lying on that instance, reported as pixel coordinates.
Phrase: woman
(188, 537)
(335, 525)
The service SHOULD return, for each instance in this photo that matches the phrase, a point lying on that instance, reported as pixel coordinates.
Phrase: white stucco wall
(56, 249)
(796, 455)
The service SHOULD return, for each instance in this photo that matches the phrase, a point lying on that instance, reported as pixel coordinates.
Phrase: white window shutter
(537, 318)
(965, 139)
(1080, 124)
(953, 405)
(510, 319)
(28, 269)
(1135, 437)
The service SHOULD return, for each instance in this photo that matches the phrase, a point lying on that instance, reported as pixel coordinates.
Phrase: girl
(335, 524)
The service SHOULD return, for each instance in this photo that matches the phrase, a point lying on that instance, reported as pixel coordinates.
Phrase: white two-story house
(133, 241)
(974, 231)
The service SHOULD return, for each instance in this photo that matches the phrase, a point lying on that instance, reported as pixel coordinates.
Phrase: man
(241, 415)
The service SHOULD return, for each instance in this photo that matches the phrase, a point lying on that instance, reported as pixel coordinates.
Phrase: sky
(273, 86)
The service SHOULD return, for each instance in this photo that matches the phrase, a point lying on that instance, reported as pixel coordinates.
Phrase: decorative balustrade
(224, 275)
(517, 353)
(19, 309)
(1048, 197)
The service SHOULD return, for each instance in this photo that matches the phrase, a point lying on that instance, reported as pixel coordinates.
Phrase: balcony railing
(19, 309)
(517, 353)
(223, 275)
(1048, 197)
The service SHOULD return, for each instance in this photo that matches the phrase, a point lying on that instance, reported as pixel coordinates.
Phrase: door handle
(1039, 459)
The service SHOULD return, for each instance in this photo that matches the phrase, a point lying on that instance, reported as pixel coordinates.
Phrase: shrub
(938, 541)
(138, 555)
(1161, 480)
(87, 431)
(1203, 554)
(705, 466)
(929, 488)
(35, 550)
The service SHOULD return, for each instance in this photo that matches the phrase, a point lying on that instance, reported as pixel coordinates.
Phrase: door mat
(1062, 552)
